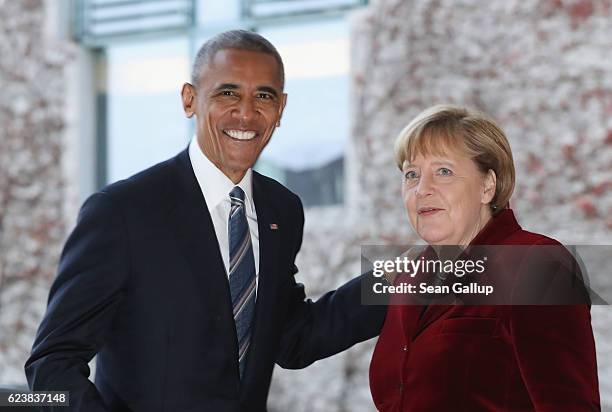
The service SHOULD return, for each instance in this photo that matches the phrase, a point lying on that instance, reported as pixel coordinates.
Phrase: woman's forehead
(435, 146)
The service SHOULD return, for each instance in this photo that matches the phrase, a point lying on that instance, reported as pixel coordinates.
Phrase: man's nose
(246, 109)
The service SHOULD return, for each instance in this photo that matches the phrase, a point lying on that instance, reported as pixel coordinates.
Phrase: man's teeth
(241, 135)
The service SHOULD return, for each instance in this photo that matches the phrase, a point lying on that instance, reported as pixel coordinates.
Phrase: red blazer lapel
(494, 232)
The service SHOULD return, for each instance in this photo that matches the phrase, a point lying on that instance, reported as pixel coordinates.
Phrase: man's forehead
(238, 67)
(238, 59)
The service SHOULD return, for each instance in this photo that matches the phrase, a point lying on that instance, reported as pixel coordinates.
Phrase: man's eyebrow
(232, 86)
(268, 89)
(227, 86)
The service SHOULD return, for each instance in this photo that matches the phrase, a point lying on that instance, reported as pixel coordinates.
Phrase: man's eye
(227, 93)
(265, 96)
(443, 171)
(411, 175)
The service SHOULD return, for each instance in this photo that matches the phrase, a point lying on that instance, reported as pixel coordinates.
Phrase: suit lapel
(430, 312)
(269, 240)
(430, 315)
(197, 241)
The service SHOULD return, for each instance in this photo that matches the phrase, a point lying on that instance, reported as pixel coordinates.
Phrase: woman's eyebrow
(443, 162)
(435, 162)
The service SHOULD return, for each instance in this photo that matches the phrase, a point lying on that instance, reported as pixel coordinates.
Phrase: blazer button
(405, 348)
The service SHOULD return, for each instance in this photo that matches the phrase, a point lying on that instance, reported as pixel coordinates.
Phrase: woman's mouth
(428, 211)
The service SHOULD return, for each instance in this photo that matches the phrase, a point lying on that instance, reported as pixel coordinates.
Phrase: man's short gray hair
(234, 39)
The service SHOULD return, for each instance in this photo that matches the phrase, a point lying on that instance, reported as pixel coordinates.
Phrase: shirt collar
(215, 185)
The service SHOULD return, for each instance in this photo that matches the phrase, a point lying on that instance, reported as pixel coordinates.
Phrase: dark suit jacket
(142, 284)
(476, 358)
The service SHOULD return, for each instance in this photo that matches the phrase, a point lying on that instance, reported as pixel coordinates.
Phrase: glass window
(145, 120)
(307, 152)
(216, 12)
(278, 8)
(99, 20)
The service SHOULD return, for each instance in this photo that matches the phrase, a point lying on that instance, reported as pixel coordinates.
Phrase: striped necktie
(241, 273)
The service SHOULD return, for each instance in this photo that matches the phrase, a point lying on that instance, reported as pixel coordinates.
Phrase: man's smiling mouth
(240, 134)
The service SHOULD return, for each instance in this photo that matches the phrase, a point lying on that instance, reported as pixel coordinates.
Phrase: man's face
(238, 102)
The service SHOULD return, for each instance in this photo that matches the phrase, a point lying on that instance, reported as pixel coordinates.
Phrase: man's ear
(283, 103)
(188, 97)
(490, 183)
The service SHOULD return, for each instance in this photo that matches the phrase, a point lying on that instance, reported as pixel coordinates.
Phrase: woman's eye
(443, 171)
(411, 175)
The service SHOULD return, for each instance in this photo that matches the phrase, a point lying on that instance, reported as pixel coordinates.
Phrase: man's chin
(237, 169)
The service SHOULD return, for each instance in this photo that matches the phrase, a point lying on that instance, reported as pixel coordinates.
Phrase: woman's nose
(424, 186)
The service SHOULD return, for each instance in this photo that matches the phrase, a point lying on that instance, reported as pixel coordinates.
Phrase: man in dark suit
(181, 278)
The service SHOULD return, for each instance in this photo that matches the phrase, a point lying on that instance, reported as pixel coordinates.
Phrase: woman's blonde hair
(443, 127)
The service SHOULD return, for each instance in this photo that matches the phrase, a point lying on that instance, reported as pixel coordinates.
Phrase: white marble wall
(542, 68)
(32, 225)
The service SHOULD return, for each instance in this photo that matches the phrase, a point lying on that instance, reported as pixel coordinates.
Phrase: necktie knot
(237, 195)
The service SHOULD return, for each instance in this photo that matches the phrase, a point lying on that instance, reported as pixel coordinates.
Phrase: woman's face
(447, 197)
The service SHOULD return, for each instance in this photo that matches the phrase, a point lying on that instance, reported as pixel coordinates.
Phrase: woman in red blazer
(458, 178)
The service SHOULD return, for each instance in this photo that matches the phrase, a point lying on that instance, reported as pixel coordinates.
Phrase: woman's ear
(490, 183)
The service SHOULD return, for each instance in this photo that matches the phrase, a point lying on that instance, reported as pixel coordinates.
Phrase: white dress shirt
(216, 188)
